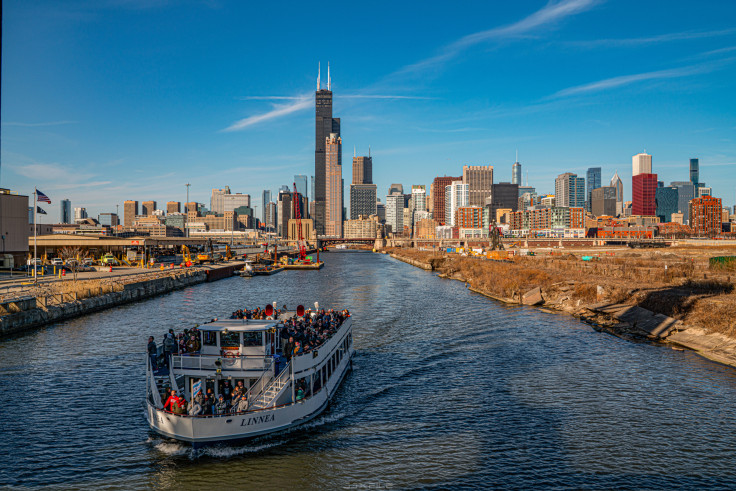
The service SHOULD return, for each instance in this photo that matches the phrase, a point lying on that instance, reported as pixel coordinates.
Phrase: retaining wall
(29, 319)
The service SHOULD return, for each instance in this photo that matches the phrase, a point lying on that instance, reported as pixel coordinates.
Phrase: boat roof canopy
(239, 325)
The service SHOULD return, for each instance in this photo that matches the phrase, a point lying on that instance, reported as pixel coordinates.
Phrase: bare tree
(73, 258)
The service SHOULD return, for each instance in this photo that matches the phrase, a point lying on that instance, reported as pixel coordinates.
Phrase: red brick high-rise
(644, 188)
(705, 215)
(437, 190)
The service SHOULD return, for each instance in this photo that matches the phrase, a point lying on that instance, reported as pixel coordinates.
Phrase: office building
(685, 192)
(705, 216)
(173, 207)
(592, 181)
(456, 195)
(301, 185)
(176, 220)
(667, 202)
(108, 219)
(419, 198)
(325, 126)
(603, 201)
(437, 193)
(265, 200)
(470, 217)
(130, 211)
(643, 197)
(527, 189)
(695, 173)
(503, 195)
(148, 207)
(394, 210)
(362, 170)
(333, 186)
(570, 190)
(271, 218)
(381, 211)
(396, 189)
(516, 174)
(641, 163)
(362, 200)
(191, 206)
(15, 227)
(232, 201)
(617, 183)
(216, 200)
(363, 227)
(65, 215)
(80, 214)
(479, 179)
(704, 191)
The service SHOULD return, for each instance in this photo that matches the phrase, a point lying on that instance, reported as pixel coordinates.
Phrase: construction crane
(296, 198)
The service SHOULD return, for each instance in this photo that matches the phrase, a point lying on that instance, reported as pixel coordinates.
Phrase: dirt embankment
(653, 294)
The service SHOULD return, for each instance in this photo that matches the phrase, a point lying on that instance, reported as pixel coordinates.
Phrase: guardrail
(209, 362)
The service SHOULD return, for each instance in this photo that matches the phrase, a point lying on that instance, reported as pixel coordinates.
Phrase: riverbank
(664, 295)
(55, 302)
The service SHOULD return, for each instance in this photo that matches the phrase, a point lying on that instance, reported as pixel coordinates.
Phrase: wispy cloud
(379, 96)
(614, 82)
(551, 13)
(269, 98)
(33, 125)
(662, 38)
(279, 110)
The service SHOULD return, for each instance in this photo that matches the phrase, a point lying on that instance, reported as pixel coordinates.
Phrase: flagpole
(35, 232)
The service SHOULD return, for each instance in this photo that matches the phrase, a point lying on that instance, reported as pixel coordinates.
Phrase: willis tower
(325, 124)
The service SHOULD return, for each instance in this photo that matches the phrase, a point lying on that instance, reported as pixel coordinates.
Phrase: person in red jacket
(171, 402)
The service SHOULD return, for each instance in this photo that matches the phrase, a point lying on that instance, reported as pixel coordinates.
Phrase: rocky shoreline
(615, 316)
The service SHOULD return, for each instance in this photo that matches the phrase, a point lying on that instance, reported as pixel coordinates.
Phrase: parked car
(57, 261)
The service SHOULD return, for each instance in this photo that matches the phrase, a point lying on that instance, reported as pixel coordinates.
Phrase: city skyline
(70, 127)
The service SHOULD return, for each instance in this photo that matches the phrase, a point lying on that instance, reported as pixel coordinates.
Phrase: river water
(448, 389)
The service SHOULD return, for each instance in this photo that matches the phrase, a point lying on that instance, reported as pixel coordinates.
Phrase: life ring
(230, 354)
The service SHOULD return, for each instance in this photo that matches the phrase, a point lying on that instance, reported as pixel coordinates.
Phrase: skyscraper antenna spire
(319, 72)
(329, 80)
(527, 177)
(369, 151)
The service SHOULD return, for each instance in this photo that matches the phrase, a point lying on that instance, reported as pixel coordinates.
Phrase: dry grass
(686, 289)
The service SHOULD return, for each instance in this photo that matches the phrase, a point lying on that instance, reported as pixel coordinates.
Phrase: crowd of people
(232, 400)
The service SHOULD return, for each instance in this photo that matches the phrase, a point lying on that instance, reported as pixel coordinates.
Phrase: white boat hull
(207, 430)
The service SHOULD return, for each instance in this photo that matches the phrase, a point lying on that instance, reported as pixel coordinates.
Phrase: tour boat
(281, 394)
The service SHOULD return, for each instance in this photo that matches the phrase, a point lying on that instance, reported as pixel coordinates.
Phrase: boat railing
(261, 384)
(214, 362)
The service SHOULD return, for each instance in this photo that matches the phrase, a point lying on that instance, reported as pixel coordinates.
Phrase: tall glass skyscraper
(65, 216)
(301, 185)
(266, 200)
(592, 181)
(694, 172)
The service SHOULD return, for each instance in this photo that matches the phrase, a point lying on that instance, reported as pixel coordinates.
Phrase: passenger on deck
(152, 352)
(171, 402)
(208, 405)
(169, 346)
(221, 406)
(288, 348)
(192, 344)
(195, 408)
(227, 391)
(181, 406)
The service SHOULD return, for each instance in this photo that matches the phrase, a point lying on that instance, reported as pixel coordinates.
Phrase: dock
(311, 266)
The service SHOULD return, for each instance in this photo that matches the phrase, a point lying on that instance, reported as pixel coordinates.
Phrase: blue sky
(108, 100)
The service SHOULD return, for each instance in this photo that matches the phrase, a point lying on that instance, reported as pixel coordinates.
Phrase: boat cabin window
(253, 338)
(230, 339)
(209, 338)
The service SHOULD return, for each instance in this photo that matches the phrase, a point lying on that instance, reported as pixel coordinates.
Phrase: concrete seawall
(40, 316)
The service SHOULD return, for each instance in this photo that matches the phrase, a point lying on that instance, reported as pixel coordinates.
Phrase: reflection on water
(448, 389)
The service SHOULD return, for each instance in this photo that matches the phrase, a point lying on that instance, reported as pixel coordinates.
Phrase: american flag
(42, 198)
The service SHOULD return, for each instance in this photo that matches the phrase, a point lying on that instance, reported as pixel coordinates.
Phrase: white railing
(260, 385)
(210, 362)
